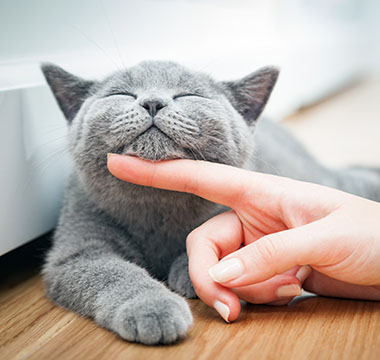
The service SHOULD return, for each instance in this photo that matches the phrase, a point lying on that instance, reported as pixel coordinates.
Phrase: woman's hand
(279, 234)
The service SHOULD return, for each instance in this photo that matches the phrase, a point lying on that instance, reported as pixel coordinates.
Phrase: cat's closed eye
(186, 95)
(122, 94)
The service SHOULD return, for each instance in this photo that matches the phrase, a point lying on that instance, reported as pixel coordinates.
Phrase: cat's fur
(117, 244)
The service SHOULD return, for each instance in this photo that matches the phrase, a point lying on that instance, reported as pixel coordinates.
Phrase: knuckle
(192, 237)
(193, 241)
(199, 288)
(191, 184)
(198, 284)
(267, 249)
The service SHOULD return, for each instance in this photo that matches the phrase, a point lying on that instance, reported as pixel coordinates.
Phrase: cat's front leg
(119, 295)
(179, 279)
(94, 269)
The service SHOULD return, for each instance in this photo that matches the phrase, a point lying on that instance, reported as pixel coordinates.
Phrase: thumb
(274, 254)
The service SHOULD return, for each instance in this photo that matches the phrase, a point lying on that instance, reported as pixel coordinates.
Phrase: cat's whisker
(194, 154)
(198, 150)
(40, 167)
(216, 139)
(257, 159)
(56, 139)
(101, 50)
(105, 12)
(52, 155)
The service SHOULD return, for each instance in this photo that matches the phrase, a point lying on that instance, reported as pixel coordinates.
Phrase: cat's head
(159, 110)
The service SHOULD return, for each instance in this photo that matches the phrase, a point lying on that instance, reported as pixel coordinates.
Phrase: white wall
(319, 45)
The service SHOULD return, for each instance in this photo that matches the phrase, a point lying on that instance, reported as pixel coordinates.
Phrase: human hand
(275, 226)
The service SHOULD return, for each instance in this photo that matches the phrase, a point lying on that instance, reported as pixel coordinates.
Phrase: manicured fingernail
(288, 291)
(222, 309)
(303, 272)
(226, 270)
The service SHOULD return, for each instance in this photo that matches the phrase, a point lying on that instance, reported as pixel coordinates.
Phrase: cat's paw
(179, 279)
(155, 318)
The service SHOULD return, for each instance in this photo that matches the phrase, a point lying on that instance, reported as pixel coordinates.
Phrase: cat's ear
(250, 94)
(70, 91)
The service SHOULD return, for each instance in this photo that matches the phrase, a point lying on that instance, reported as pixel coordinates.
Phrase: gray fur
(117, 244)
(178, 278)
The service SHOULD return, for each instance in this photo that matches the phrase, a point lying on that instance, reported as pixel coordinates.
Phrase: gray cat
(119, 247)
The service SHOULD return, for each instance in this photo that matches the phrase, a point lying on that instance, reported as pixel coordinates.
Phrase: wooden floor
(31, 327)
(343, 129)
(310, 328)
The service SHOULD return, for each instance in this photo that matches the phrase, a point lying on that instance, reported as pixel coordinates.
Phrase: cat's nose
(152, 106)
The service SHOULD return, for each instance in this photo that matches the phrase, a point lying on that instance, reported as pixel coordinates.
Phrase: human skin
(280, 234)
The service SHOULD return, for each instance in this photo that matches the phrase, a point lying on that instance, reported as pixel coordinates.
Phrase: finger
(275, 254)
(280, 289)
(219, 183)
(205, 246)
(321, 284)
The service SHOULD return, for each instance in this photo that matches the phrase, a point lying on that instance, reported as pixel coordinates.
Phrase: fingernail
(110, 154)
(303, 272)
(226, 270)
(288, 291)
(222, 309)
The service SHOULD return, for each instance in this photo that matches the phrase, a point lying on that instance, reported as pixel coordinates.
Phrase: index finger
(219, 183)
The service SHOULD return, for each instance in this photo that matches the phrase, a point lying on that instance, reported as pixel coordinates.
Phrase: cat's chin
(154, 157)
(154, 145)
(147, 154)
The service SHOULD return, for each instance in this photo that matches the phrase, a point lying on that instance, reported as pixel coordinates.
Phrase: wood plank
(311, 327)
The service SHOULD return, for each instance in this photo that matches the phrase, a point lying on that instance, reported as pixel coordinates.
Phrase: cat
(119, 253)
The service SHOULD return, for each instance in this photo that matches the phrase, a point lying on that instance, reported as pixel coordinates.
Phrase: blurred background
(328, 94)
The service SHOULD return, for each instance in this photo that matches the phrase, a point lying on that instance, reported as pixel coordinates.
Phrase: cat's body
(278, 152)
(117, 243)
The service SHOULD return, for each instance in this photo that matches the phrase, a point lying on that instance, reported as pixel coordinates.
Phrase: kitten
(118, 244)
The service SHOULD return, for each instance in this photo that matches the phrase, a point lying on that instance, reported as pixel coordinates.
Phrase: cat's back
(278, 152)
